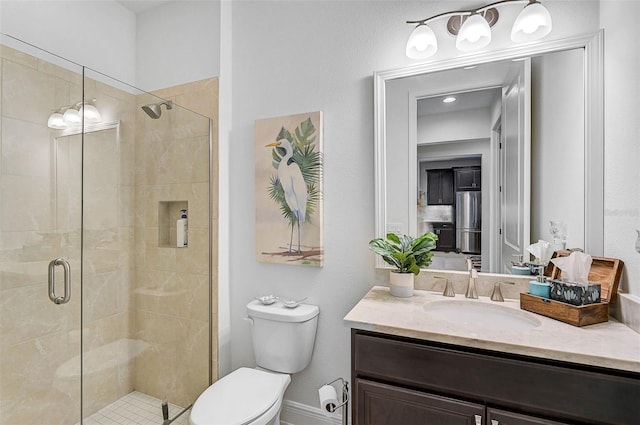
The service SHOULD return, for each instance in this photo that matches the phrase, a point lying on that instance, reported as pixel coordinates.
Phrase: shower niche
(168, 214)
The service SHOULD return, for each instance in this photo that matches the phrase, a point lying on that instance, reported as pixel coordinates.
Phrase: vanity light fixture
(73, 115)
(472, 28)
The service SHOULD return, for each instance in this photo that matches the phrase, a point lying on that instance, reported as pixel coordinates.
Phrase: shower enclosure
(98, 306)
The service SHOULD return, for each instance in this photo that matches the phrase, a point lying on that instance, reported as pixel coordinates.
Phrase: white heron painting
(288, 189)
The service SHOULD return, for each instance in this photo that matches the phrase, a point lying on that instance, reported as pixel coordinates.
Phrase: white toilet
(283, 340)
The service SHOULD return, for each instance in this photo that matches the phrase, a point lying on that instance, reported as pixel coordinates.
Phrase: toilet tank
(282, 337)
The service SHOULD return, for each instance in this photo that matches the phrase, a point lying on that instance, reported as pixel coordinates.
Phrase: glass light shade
(91, 114)
(422, 43)
(474, 34)
(56, 121)
(71, 117)
(533, 23)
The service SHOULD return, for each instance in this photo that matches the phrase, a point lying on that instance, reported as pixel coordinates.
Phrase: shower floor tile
(136, 408)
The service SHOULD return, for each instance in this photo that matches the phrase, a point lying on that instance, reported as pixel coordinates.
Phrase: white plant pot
(401, 284)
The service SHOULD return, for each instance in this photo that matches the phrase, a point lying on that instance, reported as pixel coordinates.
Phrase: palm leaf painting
(295, 188)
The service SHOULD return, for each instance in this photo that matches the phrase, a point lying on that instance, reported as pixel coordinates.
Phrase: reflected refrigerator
(468, 221)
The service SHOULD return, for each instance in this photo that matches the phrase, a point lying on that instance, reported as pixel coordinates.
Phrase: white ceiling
(137, 6)
(464, 83)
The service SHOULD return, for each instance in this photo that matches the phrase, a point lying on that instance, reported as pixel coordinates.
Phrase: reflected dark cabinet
(398, 380)
(446, 236)
(468, 179)
(440, 187)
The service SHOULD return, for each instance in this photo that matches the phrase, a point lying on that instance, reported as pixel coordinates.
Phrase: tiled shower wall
(145, 315)
(172, 284)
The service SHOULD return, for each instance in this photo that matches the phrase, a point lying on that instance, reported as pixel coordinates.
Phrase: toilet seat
(240, 398)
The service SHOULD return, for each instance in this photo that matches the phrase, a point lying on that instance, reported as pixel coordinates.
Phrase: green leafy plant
(405, 253)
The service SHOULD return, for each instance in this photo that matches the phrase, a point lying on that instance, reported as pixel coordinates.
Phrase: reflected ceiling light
(73, 116)
(55, 121)
(90, 113)
(472, 28)
(449, 99)
(533, 23)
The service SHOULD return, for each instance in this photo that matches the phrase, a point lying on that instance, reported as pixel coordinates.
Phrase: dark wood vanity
(399, 380)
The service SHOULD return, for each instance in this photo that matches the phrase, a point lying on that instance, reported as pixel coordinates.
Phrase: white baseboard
(300, 414)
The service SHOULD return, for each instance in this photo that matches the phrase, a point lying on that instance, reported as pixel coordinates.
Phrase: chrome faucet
(448, 289)
(496, 295)
(473, 275)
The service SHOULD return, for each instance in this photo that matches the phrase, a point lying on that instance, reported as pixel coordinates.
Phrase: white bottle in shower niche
(182, 230)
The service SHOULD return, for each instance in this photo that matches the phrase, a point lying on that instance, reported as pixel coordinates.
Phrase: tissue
(574, 288)
(575, 267)
(542, 250)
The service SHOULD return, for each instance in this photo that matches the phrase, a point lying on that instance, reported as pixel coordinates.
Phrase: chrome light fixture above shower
(71, 116)
(473, 28)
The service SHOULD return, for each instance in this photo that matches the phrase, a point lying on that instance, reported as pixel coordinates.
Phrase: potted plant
(407, 255)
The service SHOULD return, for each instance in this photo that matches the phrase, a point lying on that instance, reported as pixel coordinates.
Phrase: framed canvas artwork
(288, 189)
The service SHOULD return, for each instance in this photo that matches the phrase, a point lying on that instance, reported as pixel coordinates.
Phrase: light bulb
(91, 114)
(71, 117)
(422, 43)
(56, 122)
(474, 34)
(533, 23)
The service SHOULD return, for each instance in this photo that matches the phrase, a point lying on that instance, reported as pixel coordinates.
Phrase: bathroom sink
(480, 315)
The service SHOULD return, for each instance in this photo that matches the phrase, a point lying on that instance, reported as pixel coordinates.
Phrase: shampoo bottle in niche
(182, 230)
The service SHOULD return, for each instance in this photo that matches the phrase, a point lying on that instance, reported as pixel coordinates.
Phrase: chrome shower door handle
(52, 281)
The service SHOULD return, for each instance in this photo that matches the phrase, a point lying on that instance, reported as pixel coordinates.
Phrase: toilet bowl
(283, 340)
(245, 396)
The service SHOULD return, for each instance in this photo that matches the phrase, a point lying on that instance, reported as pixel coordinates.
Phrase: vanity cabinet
(440, 187)
(398, 380)
(468, 179)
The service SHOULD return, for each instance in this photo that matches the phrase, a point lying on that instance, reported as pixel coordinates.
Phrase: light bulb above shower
(154, 110)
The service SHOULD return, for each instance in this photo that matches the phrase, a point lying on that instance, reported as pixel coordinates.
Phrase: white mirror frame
(594, 125)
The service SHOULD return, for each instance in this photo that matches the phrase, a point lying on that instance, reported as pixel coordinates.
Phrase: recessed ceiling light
(449, 99)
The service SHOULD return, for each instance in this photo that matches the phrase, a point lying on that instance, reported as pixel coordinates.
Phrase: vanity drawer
(552, 389)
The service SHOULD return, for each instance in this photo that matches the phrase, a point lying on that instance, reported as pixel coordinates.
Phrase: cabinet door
(503, 417)
(440, 187)
(381, 404)
(468, 179)
(448, 187)
(434, 187)
(446, 237)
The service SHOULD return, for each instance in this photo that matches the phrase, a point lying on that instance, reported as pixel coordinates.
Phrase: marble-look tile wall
(172, 308)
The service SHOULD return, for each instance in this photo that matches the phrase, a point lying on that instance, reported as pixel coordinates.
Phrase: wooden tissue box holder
(606, 271)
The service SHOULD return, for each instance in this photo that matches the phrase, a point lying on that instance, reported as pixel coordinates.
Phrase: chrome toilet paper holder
(345, 400)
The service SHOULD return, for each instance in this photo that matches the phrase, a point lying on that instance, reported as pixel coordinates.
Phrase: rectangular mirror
(520, 147)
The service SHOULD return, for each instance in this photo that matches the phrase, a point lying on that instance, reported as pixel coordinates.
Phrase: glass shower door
(40, 240)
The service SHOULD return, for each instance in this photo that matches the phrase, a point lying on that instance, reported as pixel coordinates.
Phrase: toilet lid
(239, 397)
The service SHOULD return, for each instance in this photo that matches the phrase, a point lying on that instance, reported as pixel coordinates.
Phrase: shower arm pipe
(468, 12)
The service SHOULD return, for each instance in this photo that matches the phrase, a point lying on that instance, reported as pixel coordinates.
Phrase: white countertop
(610, 344)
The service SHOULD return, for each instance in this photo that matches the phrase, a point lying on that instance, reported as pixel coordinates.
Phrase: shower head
(154, 110)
